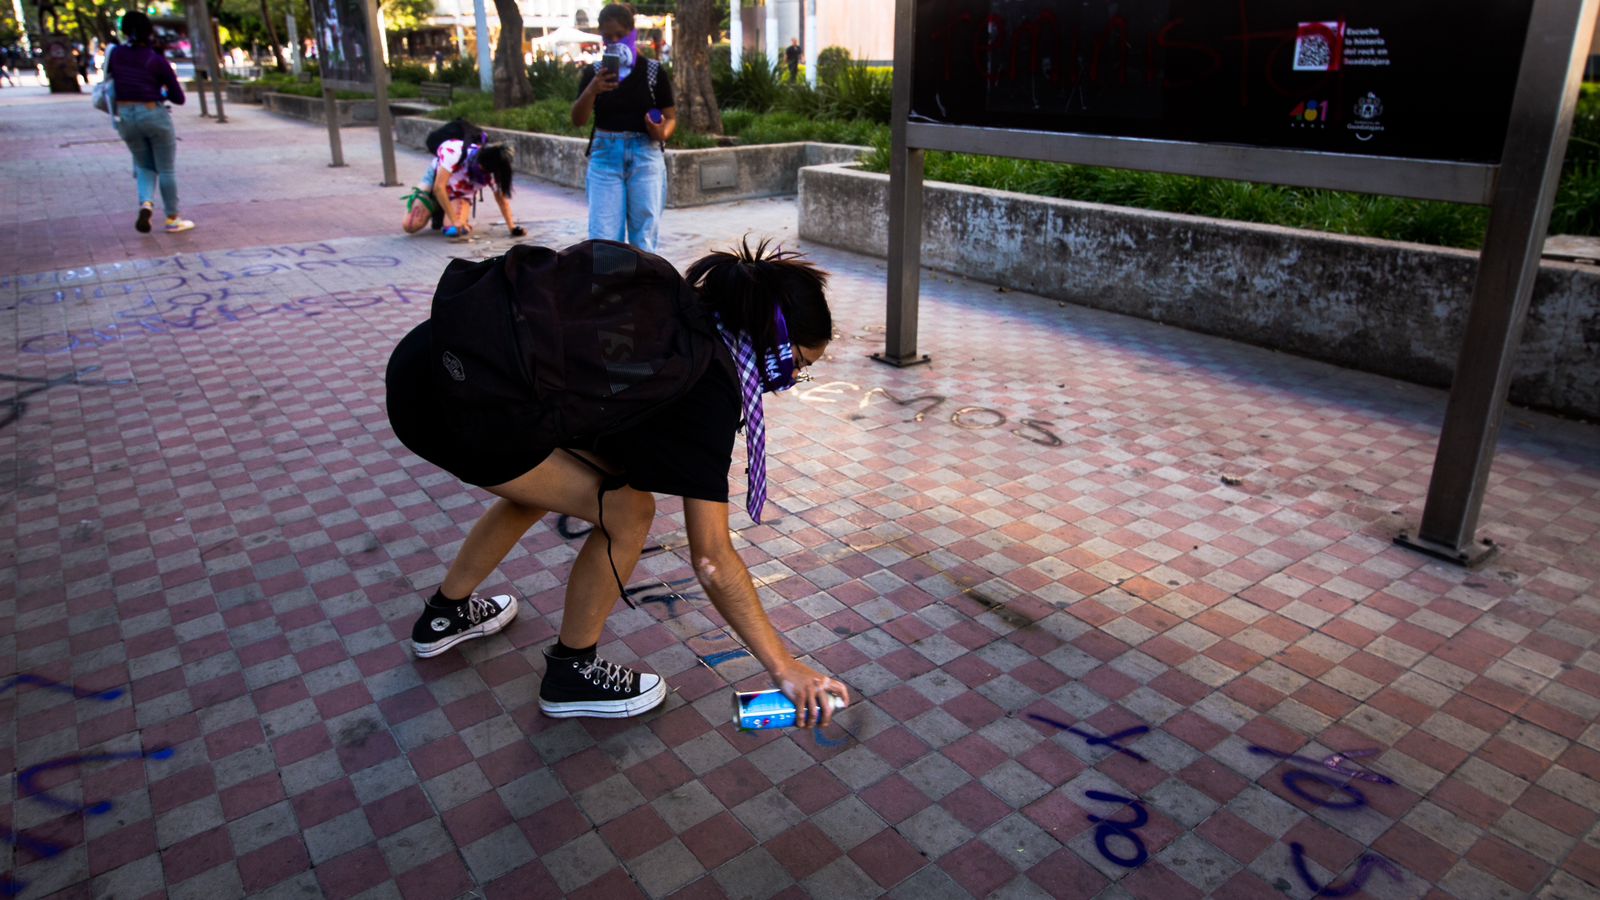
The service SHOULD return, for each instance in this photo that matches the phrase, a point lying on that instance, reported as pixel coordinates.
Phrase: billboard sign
(344, 43)
(1423, 80)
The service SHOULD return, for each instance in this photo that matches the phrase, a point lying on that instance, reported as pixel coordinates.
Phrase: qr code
(1312, 51)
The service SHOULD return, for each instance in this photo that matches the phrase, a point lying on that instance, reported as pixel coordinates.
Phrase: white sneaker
(176, 224)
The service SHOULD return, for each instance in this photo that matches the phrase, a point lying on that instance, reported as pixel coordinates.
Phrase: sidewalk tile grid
(1118, 603)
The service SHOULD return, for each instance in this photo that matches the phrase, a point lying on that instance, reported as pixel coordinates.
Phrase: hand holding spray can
(754, 710)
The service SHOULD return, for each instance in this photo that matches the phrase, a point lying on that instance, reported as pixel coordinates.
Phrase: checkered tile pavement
(1178, 546)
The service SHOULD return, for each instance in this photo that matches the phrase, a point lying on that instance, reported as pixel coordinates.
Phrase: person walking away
(792, 54)
(459, 395)
(630, 99)
(144, 83)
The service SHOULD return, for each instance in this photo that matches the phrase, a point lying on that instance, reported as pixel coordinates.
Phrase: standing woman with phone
(630, 100)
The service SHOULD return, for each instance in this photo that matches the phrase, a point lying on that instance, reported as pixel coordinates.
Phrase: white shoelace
(616, 676)
(479, 609)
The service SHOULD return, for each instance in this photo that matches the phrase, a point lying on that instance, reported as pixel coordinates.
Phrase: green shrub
(460, 70)
(412, 72)
(553, 79)
(859, 92)
(756, 86)
(830, 62)
(799, 98)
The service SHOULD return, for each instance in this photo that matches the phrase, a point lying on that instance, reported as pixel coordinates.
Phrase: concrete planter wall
(694, 177)
(1380, 306)
(244, 93)
(351, 112)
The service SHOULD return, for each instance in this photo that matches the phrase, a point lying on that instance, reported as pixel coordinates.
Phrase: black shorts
(483, 445)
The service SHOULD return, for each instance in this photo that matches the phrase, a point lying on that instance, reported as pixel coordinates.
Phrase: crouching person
(582, 383)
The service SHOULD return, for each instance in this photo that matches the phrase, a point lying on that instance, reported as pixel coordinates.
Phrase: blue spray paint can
(754, 710)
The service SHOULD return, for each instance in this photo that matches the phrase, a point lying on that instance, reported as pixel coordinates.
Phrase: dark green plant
(858, 92)
(412, 72)
(554, 79)
(461, 71)
(757, 84)
(830, 62)
(799, 98)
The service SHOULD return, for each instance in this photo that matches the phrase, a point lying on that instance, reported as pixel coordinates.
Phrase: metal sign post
(215, 61)
(1267, 91)
(350, 57)
(905, 208)
(1530, 170)
(380, 84)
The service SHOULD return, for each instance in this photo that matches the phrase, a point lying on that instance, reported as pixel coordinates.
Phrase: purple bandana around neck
(755, 435)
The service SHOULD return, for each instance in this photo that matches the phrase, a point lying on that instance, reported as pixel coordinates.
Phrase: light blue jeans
(627, 188)
(154, 145)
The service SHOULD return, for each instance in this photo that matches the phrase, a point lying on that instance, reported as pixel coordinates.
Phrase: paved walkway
(1120, 601)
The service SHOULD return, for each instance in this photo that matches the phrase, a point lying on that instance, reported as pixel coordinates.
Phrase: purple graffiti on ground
(1095, 740)
(50, 684)
(1295, 781)
(10, 886)
(203, 310)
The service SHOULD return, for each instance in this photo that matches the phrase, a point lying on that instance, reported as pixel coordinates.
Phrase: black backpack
(597, 336)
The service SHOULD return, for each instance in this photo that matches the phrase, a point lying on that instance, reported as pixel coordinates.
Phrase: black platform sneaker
(442, 627)
(591, 686)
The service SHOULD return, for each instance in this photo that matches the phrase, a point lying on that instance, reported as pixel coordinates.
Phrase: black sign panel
(1418, 79)
(344, 44)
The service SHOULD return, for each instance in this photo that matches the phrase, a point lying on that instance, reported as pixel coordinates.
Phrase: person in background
(791, 55)
(634, 117)
(460, 169)
(145, 83)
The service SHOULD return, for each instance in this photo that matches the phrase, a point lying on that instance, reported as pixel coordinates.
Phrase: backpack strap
(651, 71)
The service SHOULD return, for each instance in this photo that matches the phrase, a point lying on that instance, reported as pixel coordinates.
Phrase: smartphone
(611, 62)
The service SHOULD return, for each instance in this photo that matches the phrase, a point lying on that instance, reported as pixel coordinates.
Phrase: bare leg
(487, 544)
(563, 484)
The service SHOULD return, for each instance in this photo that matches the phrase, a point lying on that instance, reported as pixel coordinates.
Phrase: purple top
(139, 73)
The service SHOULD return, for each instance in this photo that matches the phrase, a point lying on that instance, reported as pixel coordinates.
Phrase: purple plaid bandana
(755, 435)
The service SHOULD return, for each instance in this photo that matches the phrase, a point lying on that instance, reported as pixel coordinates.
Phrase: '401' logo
(1310, 114)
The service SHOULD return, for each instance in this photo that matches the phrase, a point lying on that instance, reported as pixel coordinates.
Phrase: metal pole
(216, 60)
(905, 207)
(1530, 168)
(380, 83)
(330, 111)
(735, 34)
(810, 41)
(485, 62)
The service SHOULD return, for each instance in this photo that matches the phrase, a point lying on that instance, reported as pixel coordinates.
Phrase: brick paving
(1119, 602)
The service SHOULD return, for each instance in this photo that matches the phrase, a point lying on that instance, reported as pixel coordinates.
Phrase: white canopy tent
(566, 35)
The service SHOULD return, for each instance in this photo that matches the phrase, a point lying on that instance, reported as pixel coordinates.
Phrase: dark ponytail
(742, 285)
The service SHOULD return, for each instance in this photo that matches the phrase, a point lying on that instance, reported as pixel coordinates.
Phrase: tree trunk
(691, 68)
(272, 36)
(511, 84)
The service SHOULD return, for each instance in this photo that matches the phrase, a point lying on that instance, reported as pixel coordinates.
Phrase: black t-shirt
(685, 448)
(624, 108)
